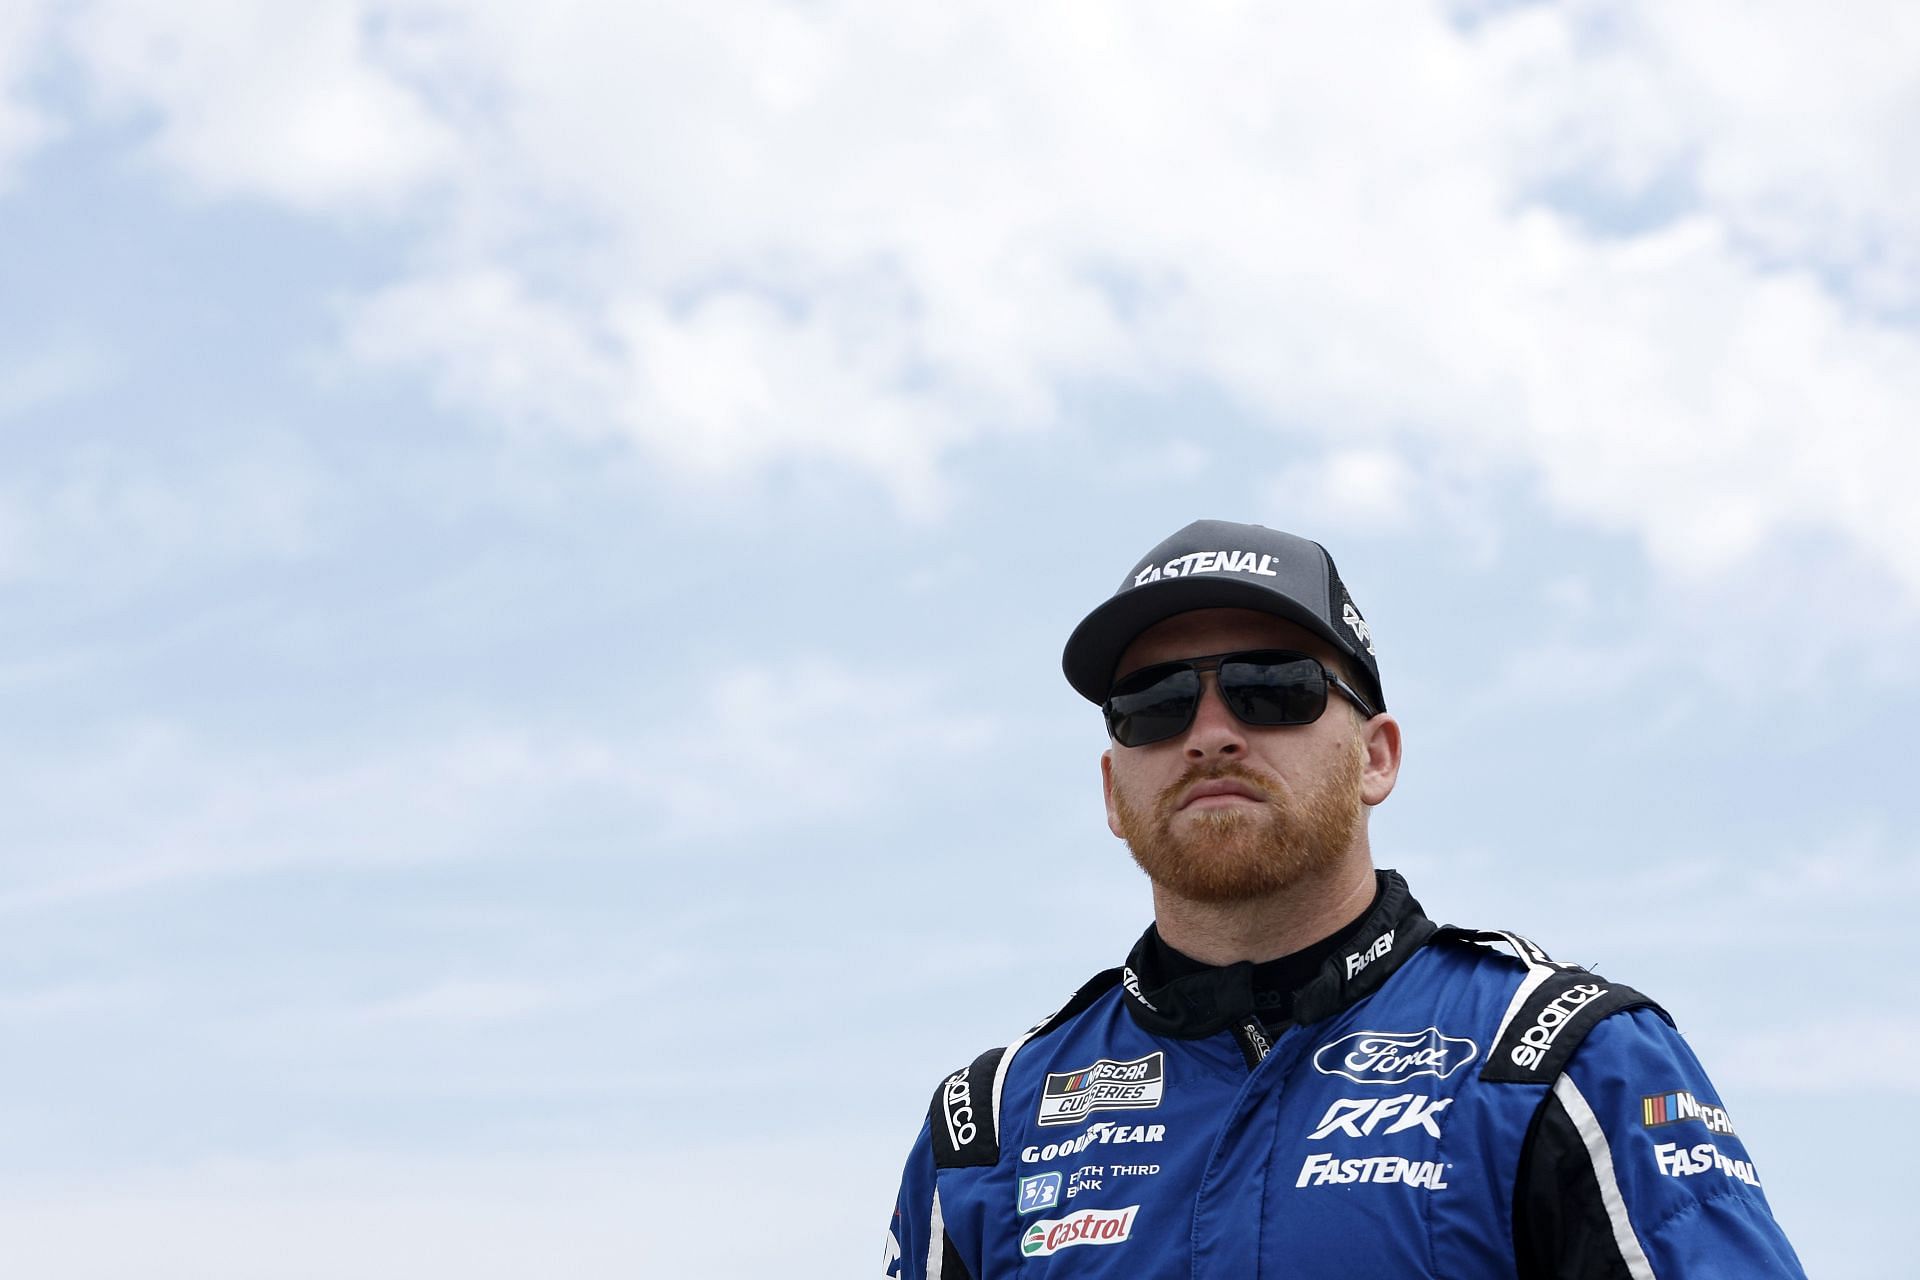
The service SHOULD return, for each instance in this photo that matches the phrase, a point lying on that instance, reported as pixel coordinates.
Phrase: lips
(1227, 789)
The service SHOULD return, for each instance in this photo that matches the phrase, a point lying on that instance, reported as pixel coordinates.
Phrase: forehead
(1208, 631)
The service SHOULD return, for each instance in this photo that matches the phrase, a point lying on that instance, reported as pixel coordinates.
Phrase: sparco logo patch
(1671, 1108)
(1388, 1057)
(1089, 1226)
(1072, 1096)
(1546, 1028)
(956, 1103)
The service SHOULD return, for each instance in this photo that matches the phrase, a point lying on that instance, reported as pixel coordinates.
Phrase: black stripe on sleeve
(1561, 1230)
(951, 1267)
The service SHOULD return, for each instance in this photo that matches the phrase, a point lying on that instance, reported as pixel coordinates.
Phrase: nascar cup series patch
(1107, 1085)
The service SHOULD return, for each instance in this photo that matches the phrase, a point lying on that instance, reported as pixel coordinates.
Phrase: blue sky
(535, 551)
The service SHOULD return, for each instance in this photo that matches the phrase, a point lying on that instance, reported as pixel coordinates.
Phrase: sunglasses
(1264, 687)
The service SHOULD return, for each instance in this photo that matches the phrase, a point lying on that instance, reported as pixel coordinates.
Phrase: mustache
(1170, 794)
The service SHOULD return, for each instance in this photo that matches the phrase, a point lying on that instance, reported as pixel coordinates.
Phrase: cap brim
(1094, 648)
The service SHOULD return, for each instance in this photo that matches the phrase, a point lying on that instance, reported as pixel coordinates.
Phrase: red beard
(1234, 854)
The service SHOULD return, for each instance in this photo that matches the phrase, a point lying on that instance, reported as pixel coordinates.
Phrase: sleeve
(917, 1244)
(1634, 1171)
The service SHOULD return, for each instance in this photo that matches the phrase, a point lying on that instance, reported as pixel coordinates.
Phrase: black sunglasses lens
(1274, 690)
(1152, 705)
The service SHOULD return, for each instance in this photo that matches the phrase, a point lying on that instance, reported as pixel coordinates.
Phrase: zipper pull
(1253, 1041)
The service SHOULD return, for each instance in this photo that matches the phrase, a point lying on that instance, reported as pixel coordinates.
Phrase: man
(1296, 1073)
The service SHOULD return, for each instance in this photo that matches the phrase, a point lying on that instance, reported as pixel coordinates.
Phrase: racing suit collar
(1205, 1002)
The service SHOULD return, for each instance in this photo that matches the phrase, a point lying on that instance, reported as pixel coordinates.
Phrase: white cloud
(491, 344)
(469, 1001)
(735, 382)
(36, 380)
(1673, 897)
(23, 124)
(1570, 596)
(72, 999)
(1780, 120)
(293, 103)
(759, 747)
(1674, 392)
(120, 512)
(676, 1211)
(744, 235)
(1861, 1054)
(1351, 489)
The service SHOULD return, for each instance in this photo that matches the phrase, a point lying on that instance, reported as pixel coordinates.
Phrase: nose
(1216, 733)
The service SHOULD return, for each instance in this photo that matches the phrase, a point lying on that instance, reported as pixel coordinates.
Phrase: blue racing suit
(1433, 1107)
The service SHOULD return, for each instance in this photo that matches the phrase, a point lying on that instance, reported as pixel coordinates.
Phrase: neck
(1259, 929)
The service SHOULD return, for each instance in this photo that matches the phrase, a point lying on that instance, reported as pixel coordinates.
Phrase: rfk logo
(1361, 631)
(1362, 1117)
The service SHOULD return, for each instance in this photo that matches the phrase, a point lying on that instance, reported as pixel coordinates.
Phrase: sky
(535, 545)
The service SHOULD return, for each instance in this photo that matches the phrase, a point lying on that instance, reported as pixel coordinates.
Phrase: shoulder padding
(964, 1132)
(965, 1115)
(1553, 1010)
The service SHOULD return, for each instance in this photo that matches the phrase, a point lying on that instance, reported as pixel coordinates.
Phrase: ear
(1380, 739)
(1106, 789)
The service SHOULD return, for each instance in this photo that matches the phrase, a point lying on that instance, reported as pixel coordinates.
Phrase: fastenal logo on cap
(1208, 562)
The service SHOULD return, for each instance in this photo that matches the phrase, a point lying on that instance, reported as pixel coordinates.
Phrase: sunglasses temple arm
(1348, 692)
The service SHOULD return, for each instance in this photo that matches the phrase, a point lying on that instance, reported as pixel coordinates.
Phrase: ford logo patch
(1390, 1057)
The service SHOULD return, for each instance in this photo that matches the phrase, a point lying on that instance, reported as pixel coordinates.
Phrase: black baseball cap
(1217, 564)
